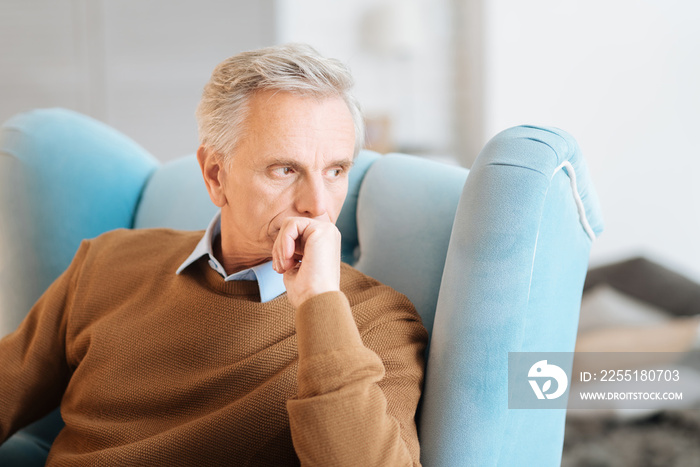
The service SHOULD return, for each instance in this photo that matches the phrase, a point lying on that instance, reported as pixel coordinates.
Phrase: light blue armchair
(493, 265)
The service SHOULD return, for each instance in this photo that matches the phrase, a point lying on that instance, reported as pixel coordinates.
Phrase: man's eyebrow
(344, 163)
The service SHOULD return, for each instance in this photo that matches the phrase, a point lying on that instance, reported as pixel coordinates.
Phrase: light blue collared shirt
(270, 283)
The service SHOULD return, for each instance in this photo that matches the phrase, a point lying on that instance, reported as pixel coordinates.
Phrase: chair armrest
(512, 282)
(63, 177)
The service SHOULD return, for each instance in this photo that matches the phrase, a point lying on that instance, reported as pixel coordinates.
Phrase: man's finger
(288, 243)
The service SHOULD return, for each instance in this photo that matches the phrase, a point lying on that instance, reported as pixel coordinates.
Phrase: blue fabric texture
(176, 197)
(63, 177)
(24, 450)
(493, 258)
(512, 282)
(405, 211)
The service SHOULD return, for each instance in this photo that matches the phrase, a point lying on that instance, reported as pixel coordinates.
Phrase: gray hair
(294, 68)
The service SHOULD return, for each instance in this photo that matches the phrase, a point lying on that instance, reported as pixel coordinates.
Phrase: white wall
(138, 65)
(412, 83)
(623, 77)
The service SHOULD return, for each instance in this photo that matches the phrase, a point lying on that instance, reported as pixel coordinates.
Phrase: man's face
(292, 161)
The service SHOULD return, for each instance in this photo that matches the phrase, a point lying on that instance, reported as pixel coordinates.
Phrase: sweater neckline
(214, 281)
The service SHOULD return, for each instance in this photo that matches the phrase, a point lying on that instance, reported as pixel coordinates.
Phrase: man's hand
(307, 252)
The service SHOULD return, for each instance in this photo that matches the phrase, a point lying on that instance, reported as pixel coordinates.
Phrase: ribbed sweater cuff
(324, 323)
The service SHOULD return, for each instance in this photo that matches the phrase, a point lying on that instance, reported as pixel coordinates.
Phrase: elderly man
(182, 348)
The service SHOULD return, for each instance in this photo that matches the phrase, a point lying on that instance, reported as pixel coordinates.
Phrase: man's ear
(213, 172)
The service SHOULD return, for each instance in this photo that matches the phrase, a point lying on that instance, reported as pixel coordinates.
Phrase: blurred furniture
(493, 265)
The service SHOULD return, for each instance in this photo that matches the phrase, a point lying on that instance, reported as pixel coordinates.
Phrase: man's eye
(335, 172)
(282, 170)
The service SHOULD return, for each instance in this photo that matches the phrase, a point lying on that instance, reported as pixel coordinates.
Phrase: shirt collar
(270, 283)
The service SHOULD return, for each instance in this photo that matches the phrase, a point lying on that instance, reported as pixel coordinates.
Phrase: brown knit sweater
(153, 368)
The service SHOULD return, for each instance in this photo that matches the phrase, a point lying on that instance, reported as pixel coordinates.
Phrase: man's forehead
(283, 127)
(292, 116)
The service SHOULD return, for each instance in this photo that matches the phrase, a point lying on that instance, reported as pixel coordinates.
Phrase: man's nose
(311, 199)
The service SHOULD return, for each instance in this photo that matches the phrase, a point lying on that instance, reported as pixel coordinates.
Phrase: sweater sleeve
(33, 368)
(356, 406)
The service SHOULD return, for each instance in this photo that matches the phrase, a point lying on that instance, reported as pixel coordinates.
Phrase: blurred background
(436, 78)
